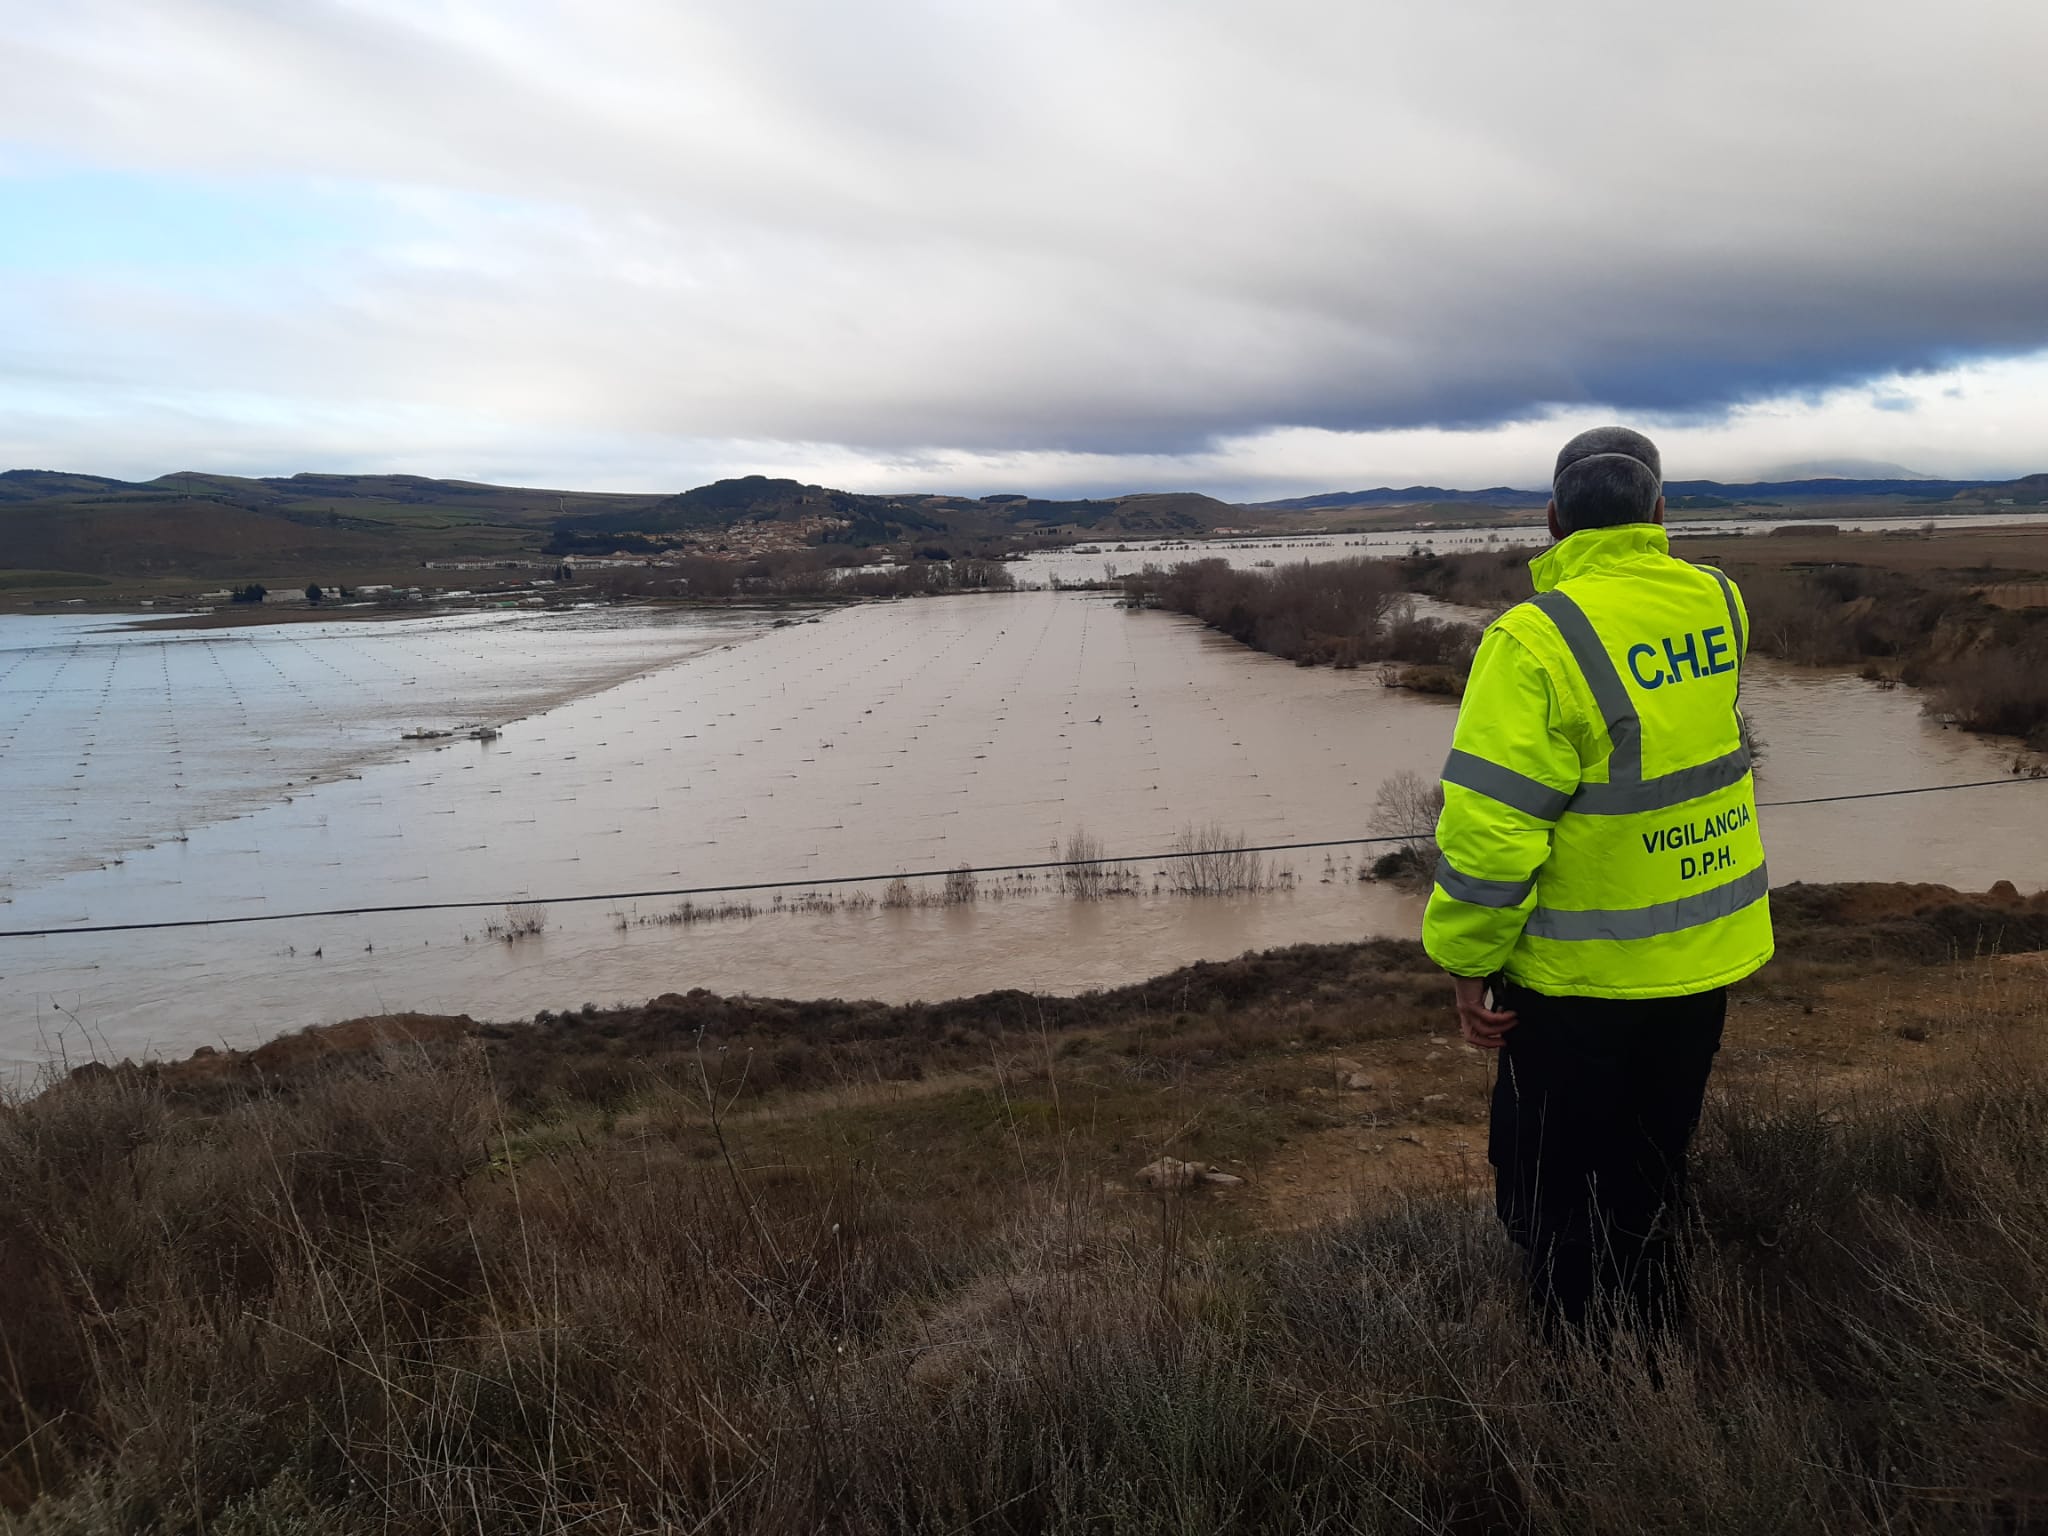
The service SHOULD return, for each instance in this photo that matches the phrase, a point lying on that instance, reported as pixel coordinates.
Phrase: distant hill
(2031, 490)
(1826, 488)
(883, 519)
(2027, 491)
(225, 526)
(1407, 496)
(37, 484)
(500, 503)
(222, 527)
(760, 499)
(329, 527)
(1844, 469)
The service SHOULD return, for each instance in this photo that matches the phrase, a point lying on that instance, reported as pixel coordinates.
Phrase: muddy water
(112, 739)
(887, 737)
(1105, 561)
(1829, 734)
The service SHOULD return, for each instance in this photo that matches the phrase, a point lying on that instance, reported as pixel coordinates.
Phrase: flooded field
(112, 738)
(1104, 560)
(908, 736)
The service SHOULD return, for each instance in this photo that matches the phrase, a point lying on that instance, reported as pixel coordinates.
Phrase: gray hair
(1607, 477)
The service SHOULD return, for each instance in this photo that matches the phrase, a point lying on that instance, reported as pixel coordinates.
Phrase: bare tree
(1407, 806)
(1215, 862)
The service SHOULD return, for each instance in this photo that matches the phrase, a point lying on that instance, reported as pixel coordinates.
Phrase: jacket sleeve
(1511, 772)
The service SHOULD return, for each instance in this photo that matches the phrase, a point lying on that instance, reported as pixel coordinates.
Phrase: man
(1602, 881)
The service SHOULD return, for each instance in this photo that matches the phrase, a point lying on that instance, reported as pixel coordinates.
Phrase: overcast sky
(980, 245)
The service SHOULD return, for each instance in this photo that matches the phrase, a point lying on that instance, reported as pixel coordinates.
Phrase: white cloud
(1242, 246)
(1981, 419)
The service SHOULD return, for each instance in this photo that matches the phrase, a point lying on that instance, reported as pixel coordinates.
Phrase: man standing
(1602, 879)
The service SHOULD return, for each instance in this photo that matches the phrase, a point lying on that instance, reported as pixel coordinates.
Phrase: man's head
(1604, 478)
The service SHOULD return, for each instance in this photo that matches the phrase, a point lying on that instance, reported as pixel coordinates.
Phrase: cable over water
(244, 919)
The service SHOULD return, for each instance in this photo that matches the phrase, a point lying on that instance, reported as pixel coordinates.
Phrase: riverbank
(739, 1264)
(263, 615)
(259, 616)
(1962, 613)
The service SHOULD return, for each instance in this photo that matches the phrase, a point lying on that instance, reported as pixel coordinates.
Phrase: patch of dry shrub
(1339, 612)
(382, 1302)
(428, 1285)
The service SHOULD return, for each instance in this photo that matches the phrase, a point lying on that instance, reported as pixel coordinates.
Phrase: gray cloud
(1131, 227)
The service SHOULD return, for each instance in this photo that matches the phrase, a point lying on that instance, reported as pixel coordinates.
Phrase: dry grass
(377, 1305)
(522, 920)
(792, 1267)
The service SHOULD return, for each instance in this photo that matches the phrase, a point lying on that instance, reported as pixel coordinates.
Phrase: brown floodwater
(889, 737)
(1108, 559)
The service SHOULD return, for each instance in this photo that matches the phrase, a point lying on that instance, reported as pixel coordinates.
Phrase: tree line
(1338, 612)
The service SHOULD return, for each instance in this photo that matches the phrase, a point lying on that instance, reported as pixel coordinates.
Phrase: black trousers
(1594, 1106)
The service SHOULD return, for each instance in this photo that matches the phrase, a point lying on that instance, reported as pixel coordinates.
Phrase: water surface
(887, 737)
(1107, 559)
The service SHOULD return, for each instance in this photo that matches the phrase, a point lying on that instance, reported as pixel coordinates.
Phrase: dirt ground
(1421, 1122)
(1979, 555)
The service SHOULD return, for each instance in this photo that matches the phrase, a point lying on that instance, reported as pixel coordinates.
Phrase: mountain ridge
(1825, 487)
(195, 522)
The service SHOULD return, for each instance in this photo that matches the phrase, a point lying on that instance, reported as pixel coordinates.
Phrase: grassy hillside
(184, 534)
(328, 528)
(878, 519)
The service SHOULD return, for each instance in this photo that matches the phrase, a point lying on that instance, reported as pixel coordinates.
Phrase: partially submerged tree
(1407, 807)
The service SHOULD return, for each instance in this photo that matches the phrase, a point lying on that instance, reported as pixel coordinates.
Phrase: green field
(40, 581)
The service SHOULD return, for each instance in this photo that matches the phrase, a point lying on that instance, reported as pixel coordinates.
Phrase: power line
(1886, 794)
(695, 890)
(923, 874)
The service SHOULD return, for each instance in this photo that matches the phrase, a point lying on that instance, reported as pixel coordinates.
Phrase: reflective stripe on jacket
(1599, 831)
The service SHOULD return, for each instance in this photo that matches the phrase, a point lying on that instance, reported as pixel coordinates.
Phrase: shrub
(1214, 862)
(2002, 688)
(1407, 805)
(371, 1301)
(1338, 612)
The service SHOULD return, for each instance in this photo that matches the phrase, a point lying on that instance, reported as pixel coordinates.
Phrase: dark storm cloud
(1096, 228)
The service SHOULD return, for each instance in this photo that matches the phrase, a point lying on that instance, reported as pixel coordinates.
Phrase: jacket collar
(1595, 549)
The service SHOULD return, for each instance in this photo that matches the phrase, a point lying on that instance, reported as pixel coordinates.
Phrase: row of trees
(1986, 667)
(805, 573)
(1342, 612)
(256, 592)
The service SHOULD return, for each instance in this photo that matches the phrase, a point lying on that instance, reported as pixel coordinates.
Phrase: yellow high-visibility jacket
(1599, 833)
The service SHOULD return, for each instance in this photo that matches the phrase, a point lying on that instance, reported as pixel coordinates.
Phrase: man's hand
(1482, 1026)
